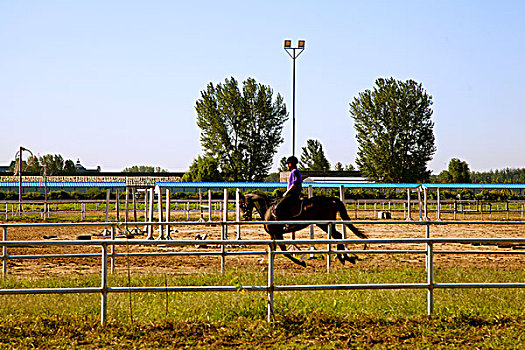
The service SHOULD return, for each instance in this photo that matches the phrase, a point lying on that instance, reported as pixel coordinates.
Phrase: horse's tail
(344, 215)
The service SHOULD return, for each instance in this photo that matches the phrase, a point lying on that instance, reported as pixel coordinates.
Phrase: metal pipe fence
(108, 255)
(466, 209)
(89, 208)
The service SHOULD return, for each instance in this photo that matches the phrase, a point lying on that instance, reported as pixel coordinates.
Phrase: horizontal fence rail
(108, 254)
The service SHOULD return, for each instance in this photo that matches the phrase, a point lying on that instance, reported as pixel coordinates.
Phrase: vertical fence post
(146, 195)
(4, 252)
(112, 251)
(201, 213)
(419, 203)
(430, 278)
(310, 195)
(159, 209)
(238, 212)
(168, 213)
(224, 230)
(225, 213)
(126, 216)
(438, 205)
(425, 197)
(223, 247)
(134, 204)
(209, 206)
(149, 218)
(104, 286)
(329, 248)
(117, 203)
(106, 218)
(342, 197)
(271, 257)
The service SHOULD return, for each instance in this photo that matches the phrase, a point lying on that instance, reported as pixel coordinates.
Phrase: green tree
(340, 167)
(33, 165)
(444, 177)
(241, 129)
(283, 165)
(54, 164)
(313, 158)
(349, 167)
(459, 171)
(69, 167)
(203, 169)
(144, 169)
(394, 131)
(506, 175)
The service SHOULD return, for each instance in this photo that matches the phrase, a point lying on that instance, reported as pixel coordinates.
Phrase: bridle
(247, 205)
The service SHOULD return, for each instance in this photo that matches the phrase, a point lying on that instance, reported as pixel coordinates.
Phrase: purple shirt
(295, 178)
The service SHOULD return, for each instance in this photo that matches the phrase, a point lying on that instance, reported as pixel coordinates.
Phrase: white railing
(108, 252)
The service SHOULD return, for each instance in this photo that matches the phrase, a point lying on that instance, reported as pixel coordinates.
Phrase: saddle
(292, 210)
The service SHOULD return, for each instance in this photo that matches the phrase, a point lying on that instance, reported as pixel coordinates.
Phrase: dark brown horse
(315, 208)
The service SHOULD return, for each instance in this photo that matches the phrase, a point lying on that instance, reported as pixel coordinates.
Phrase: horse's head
(250, 201)
(246, 206)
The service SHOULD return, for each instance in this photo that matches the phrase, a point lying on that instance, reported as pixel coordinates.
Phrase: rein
(261, 208)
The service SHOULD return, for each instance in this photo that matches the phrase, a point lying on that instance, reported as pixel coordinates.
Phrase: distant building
(337, 179)
(352, 176)
(82, 170)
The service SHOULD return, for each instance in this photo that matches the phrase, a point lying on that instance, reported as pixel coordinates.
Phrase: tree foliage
(507, 175)
(52, 164)
(459, 171)
(394, 131)
(444, 177)
(313, 157)
(340, 167)
(203, 169)
(144, 169)
(283, 165)
(241, 129)
(33, 165)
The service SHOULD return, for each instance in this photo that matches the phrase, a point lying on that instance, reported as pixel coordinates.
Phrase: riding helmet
(293, 160)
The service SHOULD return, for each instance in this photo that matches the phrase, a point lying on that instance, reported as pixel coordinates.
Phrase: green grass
(216, 306)
(468, 318)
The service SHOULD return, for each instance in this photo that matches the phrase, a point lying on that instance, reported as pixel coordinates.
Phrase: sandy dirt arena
(187, 264)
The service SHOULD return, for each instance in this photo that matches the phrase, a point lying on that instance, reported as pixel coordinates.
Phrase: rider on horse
(291, 197)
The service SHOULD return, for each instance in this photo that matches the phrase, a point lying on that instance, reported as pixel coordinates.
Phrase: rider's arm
(292, 188)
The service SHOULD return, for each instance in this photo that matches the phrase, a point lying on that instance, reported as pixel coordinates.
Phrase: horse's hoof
(341, 259)
(352, 259)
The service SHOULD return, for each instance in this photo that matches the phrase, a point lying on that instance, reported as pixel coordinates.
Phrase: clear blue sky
(114, 83)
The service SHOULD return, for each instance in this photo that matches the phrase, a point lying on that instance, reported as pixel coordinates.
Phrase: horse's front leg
(276, 232)
(291, 257)
(279, 236)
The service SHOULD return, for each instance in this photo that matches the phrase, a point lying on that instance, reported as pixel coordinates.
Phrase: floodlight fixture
(293, 52)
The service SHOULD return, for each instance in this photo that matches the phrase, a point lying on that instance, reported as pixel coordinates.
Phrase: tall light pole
(19, 155)
(293, 52)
